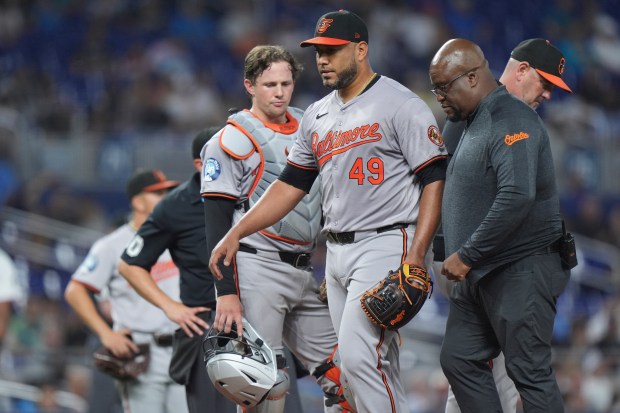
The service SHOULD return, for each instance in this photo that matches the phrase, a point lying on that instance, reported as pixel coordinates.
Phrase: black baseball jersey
(177, 224)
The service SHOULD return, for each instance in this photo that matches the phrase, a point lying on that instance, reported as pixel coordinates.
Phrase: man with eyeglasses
(533, 70)
(502, 225)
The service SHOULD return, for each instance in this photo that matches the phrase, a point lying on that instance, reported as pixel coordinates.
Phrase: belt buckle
(298, 258)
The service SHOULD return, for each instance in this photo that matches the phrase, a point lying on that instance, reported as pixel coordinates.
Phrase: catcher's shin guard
(334, 384)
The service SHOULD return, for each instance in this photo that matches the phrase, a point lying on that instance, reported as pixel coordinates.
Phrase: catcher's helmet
(243, 369)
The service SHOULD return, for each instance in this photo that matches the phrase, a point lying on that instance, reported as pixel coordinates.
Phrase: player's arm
(432, 178)
(218, 220)
(141, 280)
(135, 264)
(277, 201)
(117, 342)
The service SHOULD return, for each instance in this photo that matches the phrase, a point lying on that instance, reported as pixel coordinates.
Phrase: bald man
(502, 225)
(532, 73)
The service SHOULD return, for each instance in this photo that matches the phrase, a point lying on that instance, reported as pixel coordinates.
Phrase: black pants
(512, 310)
(201, 394)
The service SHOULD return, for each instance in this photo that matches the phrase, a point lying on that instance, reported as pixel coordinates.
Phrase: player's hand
(224, 250)
(119, 343)
(228, 310)
(455, 269)
(186, 318)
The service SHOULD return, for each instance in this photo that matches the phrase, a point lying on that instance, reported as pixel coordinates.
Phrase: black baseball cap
(545, 58)
(202, 138)
(148, 181)
(338, 28)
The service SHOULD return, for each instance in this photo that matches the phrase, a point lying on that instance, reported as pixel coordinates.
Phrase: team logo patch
(211, 169)
(90, 263)
(135, 246)
(561, 66)
(510, 139)
(434, 135)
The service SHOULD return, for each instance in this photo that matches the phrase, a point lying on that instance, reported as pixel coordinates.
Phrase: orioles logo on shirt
(434, 135)
(510, 139)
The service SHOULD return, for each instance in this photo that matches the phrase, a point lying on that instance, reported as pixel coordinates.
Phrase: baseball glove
(127, 368)
(396, 299)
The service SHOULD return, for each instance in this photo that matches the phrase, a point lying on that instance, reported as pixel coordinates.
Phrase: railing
(11, 391)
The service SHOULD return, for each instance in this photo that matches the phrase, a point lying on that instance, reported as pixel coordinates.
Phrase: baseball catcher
(396, 299)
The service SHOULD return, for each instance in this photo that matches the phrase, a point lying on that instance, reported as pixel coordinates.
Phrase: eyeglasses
(443, 89)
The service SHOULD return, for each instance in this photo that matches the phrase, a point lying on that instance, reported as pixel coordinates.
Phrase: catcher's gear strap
(331, 371)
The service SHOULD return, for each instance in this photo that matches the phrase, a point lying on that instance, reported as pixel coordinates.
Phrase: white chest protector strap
(302, 224)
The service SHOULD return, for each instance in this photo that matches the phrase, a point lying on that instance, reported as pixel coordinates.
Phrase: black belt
(297, 260)
(163, 340)
(349, 237)
(552, 248)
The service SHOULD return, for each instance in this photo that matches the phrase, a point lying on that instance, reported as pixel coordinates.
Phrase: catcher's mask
(243, 369)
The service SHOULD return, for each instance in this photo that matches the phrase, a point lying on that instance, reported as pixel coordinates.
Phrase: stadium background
(92, 90)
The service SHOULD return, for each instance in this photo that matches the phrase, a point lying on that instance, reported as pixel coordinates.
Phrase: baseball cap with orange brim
(338, 28)
(148, 181)
(545, 58)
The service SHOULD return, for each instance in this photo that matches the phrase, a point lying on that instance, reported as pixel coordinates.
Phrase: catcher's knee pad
(276, 397)
(332, 381)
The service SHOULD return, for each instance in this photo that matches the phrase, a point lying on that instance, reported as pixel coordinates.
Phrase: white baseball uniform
(367, 152)
(279, 298)
(153, 391)
(10, 287)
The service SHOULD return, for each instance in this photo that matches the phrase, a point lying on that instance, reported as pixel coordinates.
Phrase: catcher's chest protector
(304, 221)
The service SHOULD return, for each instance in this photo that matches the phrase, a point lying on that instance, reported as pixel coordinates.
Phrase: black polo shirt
(178, 224)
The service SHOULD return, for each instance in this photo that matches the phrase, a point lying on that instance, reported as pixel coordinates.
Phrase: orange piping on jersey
(261, 167)
(218, 195)
(87, 286)
(289, 127)
(306, 168)
(379, 365)
(232, 154)
(430, 161)
(405, 236)
(287, 240)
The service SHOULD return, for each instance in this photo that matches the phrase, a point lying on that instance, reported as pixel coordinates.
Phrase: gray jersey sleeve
(99, 266)
(225, 173)
(418, 136)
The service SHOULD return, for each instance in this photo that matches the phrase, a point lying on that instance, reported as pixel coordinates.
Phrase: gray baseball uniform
(368, 151)
(153, 391)
(279, 295)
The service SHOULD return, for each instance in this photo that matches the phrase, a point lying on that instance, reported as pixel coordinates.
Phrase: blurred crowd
(116, 72)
